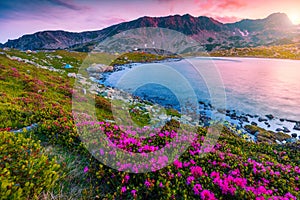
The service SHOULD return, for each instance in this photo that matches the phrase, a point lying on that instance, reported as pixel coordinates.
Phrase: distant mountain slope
(275, 21)
(211, 33)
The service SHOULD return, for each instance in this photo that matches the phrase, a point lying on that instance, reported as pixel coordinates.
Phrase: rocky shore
(267, 128)
(255, 128)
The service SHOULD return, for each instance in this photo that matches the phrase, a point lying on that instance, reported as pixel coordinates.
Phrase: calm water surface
(252, 85)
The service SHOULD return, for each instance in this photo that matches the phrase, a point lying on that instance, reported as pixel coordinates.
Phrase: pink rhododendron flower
(179, 174)
(260, 198)
(207, 195)
(215, 174)
(123, 189)
(86, 169)
(196, 171)
(290, 196)
(177, 164)
(197, 189)
(161, 185)
(190, 179)
(126, 178)
(147, 184)
(133, 192)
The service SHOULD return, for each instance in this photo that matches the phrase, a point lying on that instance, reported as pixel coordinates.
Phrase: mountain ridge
(206, 30)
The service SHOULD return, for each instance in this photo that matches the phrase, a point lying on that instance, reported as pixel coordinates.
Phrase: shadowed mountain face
(274, 21)
(209, 32)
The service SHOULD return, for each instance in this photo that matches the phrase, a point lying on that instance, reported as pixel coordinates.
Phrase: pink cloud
(208, 4)
(227, 19)
(220, 5)
(232, 4)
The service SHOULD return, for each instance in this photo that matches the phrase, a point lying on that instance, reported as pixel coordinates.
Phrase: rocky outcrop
(266, 136)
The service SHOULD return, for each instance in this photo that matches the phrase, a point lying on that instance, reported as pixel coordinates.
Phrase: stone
(286, 130)
(260, 119)
(292, 121)
(297, 126)
(294, 135)
(278, 142)
(254, 123)
(270, 116)
(244, 119)
(99, 68)
(251, 116)
(72, 75)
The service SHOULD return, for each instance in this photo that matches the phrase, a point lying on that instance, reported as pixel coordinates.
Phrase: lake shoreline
(274, 125)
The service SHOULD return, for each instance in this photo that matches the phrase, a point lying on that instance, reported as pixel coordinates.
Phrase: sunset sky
(19, 17)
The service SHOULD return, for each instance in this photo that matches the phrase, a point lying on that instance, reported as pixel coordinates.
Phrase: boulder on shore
(297, 126)
(99, 68)
(260, 119)
(270, 116)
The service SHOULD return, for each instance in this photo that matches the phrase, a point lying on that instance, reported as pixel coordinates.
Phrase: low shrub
(24, 170)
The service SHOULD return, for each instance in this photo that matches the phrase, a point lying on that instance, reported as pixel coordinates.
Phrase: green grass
(290, 51)
(139, 57)
(31, 95)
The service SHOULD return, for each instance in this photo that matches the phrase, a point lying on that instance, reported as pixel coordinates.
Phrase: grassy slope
(290, 51)
(22, 104)
(31, 95)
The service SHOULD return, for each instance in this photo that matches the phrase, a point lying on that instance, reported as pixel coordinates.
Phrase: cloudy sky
(19, 17)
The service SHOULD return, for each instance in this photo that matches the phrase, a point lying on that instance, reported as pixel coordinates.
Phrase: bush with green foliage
(25, 171)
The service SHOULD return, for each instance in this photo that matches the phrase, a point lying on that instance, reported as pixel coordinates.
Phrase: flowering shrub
(229, 171)
(24, 170)
(233, 169)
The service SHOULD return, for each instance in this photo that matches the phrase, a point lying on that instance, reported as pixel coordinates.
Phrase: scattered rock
(99, 68)
(281, 119)
(96, 75)
(294, 135)
(244, 119)
(279, 129)
(201, 102)
(278, 142)
(260, 119)
(265, 135)
(27, 128)
(222, 111)
(286, 130)
(270, 116)
(297, 126)
(292, 121)
(266, 123)
(72, 75)
(254, 123)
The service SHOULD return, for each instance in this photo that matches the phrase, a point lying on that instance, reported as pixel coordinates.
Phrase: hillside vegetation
(51, 162)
